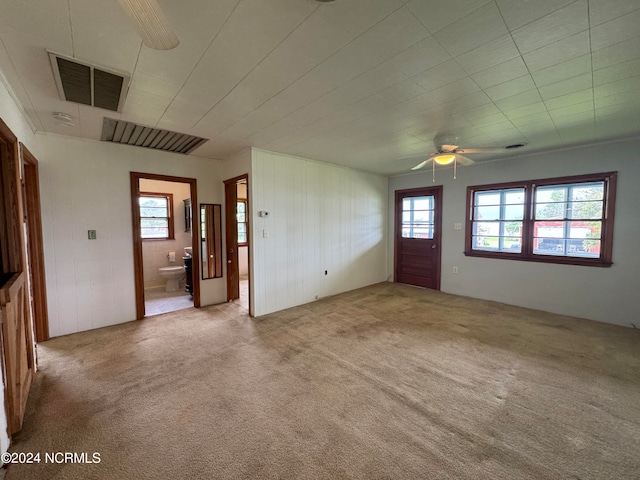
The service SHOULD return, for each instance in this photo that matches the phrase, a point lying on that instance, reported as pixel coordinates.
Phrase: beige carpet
(387, 381)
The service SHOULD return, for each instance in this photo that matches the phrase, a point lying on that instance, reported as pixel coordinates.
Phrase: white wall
(86, 185)
(321, 217)
(603, 294)
(243, 260)
(155, 252)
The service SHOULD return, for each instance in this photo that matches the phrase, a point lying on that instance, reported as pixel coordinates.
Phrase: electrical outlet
(457, 226)
(92, 234)
(455, 269)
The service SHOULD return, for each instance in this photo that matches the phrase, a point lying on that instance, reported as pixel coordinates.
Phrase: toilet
(173, 276)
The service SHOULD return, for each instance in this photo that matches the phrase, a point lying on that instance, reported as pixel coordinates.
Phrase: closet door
(15, 307)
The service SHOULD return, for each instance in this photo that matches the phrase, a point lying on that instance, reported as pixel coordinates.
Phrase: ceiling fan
(448, 153)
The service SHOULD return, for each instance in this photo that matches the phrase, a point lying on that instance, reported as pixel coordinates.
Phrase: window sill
(585, 262)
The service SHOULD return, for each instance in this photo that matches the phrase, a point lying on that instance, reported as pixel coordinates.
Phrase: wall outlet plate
(92, 234)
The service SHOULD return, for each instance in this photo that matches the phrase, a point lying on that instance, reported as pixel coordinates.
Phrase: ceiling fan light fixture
(151, 24)
(445, 159)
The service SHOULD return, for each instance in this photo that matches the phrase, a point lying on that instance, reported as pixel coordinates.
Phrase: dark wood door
(418, 219)
(231, 237)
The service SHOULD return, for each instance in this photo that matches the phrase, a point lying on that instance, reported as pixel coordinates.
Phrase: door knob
(433, 246)
(228, 261)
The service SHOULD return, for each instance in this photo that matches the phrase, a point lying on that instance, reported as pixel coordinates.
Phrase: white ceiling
(361, 83)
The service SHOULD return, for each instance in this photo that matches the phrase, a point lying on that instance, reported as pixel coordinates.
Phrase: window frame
(246, 223)
(528, 222)
(170, 218)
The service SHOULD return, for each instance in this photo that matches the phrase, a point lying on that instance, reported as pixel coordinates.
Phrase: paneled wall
(155, 252)
(321, 218)
(604, 294)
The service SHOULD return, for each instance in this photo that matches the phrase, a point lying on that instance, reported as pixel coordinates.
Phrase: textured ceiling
(363, 83)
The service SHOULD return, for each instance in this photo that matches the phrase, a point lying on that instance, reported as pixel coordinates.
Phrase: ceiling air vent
(119, 131)
(89, 84)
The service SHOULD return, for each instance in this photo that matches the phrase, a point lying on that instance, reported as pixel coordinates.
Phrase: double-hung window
(156, 219)
(559, 220)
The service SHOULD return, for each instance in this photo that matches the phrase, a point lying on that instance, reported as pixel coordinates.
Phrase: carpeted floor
(388, 381)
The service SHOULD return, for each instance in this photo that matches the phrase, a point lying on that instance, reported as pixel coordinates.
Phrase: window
(498, 217)
(417, 217)
(156, 219)
(241, 215)
(560, 220)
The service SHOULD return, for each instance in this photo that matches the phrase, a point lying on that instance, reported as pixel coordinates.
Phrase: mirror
(211, 240)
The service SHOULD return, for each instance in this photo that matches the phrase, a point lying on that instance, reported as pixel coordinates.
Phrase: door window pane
(418, 217)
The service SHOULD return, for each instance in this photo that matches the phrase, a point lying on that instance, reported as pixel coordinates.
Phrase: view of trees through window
(568, 219)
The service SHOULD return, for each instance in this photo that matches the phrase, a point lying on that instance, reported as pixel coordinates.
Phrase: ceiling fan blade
(463, 160)
(421, 164)
(481, 150)
(151, 24)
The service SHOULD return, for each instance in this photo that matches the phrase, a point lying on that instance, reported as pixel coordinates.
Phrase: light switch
(265, 233)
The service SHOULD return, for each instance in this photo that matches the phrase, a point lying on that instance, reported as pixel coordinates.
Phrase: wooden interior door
(231, 237)
(418, 224)
(17, 337)
(18, 348)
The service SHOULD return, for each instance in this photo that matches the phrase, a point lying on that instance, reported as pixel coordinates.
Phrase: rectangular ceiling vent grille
(89, 84)
(119, 131)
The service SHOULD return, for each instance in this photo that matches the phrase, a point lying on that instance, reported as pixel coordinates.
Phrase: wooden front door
(418, 224)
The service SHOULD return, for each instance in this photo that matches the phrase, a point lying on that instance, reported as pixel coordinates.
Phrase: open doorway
(166, 256)
(237, 210)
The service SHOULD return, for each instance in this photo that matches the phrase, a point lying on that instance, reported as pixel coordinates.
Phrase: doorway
(237, 238)
(35, 248)
(166, 273)
(418, 233)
